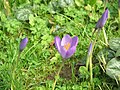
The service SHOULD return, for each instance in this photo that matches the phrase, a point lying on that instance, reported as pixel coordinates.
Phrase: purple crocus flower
(101, 22)
(23, 44)
(67, 46)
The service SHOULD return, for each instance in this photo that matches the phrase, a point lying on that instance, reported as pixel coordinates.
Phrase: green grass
(41, 21)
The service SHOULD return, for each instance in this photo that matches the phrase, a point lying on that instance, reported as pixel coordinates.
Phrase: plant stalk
(89, 59)
(105, 36)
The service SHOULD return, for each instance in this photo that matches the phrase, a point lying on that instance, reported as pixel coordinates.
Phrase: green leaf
(115, 44)
(84, 72)
(31, 20)
(107, 53)
(88, 7)
(92, 2)
(23, 14)
(117, 53)
(69, 2)
(113, 68)
(79, 2)
(3, 17)
(96, 81)
(52, 7)
(62, 3)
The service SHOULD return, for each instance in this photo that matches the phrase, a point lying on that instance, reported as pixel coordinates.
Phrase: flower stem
(57, 76)
(91, 74)
(89, 60)
(105, 36)
(88, 56)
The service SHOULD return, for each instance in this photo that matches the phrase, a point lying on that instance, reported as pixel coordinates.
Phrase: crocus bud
(90, 49)
(23, 44)
(101, 22)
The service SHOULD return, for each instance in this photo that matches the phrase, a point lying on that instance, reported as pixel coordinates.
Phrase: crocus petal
(58, 43)
(63, 52)
(74, 41)
(70, 52)
(104, 17)
(66, 39)
(106, 12)
(60, 49)
(23, 43)
(99, 25)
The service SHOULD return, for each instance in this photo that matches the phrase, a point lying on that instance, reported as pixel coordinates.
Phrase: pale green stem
(91, 74)
(89, 60)
(105, 36)
(57, 76)
(89, 57)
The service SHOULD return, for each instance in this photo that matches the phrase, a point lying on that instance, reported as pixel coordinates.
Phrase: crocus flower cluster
(67, 46)
(101, 22)
(23, 44)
